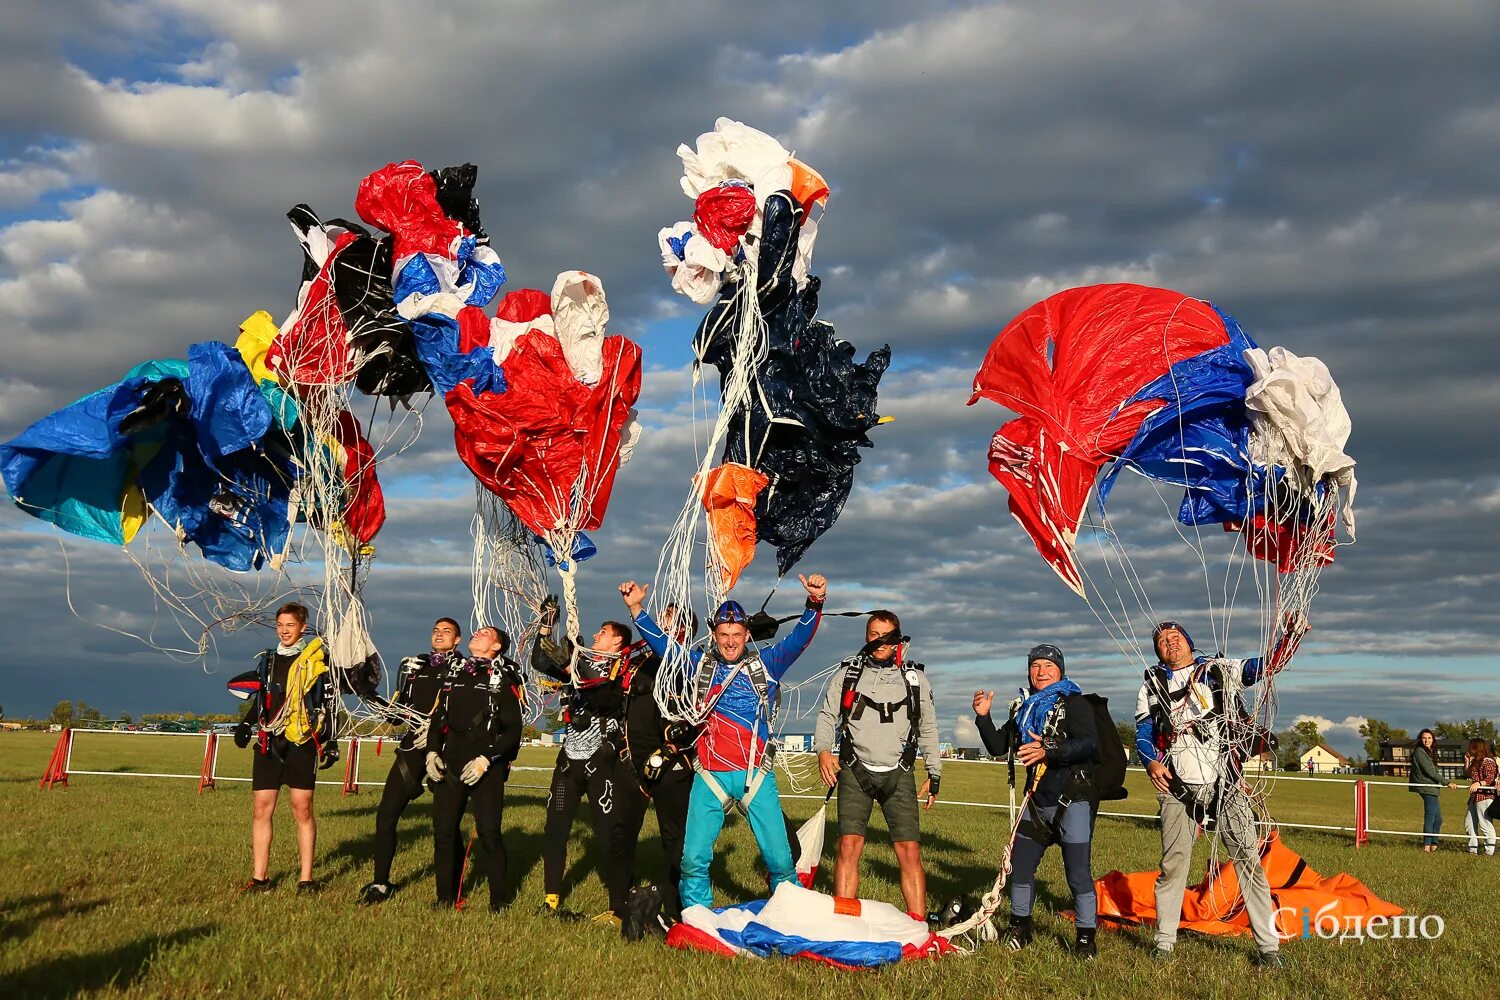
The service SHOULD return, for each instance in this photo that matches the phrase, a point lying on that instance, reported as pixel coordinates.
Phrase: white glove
(434, 766)
(475, 769)
(419, 734)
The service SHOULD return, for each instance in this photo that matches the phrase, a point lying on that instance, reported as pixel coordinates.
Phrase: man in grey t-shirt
(878, 712)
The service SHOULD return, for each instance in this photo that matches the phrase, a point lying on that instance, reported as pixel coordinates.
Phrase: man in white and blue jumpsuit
(731, 749)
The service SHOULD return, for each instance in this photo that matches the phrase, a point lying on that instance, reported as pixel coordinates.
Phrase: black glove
(242, 735)
(330, 755)
(548, 618)
(932, 784)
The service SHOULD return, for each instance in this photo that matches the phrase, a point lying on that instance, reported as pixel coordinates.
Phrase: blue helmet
(1156, 633)
(730, 613)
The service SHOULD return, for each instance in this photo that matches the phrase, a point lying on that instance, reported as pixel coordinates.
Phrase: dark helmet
(1156, 633)
(730, 613)
(1047, 651)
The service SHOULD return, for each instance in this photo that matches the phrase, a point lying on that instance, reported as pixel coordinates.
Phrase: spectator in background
(1481, 768)
(1425, 780)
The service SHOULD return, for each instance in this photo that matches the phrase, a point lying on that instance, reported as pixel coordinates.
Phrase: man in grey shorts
(878, 712)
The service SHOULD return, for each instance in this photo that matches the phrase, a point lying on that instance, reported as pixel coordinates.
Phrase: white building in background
(1323, 759)
(797, 742)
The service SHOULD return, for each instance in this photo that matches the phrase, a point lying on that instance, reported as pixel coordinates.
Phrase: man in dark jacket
(661, 756)
(1051, 732)
(472, 741)
(589, 762)
(418, 688)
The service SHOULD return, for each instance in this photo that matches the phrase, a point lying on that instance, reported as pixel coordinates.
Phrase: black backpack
(1107, 772)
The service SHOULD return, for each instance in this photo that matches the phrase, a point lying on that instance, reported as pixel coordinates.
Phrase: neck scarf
(1032, 715)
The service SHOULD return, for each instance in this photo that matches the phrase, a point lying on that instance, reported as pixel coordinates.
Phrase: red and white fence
(60, 769)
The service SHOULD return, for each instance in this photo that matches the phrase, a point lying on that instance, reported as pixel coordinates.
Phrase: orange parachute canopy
(729, 497)
(1302, 897)
(808, 186)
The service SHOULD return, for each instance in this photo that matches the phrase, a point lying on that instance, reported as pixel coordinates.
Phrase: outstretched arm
(996, 740)
(551, 659)
(1293, 627)
(778, 659)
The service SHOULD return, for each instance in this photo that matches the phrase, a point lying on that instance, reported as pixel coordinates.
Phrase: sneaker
(1270, 960)
(550, 909)
(256, 886)
(309, 887)
(1019, 934)
(608, 919)
(374, 894)
(1163, 955)
(445, 904)
(1085, 947)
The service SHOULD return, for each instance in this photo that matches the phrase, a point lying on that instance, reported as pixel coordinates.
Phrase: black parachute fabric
(804, 427)
(455, 196)
(359, 273)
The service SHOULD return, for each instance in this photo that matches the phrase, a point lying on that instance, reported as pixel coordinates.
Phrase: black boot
(1019, 934)
(1084, 947)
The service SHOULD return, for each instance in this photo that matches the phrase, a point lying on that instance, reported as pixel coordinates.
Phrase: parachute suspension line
(674, 690)
(508, 584)
(980, 927)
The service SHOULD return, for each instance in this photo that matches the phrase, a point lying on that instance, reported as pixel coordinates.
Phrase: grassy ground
(127, 887)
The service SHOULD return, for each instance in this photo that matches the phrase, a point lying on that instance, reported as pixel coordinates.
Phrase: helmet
(1047, 651)
(730, 613)
(1156, 633)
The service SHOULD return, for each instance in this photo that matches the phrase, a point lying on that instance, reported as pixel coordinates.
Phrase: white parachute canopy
(1298, 421)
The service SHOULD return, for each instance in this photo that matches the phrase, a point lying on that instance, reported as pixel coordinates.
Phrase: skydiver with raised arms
(589, 761)
(737, 689)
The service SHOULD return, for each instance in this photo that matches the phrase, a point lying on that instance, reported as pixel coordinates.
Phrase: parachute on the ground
(801, 923)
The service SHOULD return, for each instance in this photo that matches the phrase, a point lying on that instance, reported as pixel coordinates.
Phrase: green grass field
(127, 886)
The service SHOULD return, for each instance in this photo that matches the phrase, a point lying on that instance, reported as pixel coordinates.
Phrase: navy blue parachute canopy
(816, 403)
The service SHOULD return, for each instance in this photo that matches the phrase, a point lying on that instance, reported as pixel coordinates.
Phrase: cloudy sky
(1324, 172)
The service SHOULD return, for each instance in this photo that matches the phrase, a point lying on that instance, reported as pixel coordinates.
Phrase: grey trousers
(1236, 829)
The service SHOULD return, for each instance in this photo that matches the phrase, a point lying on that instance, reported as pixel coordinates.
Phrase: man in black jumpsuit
(589, 761)
(417, 690)
(661, 755)
(472, 740)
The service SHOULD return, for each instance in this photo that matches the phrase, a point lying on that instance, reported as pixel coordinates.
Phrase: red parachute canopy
(364, 500)
(313, 348)
(1065, 365)
(402, 199)
(549, 438)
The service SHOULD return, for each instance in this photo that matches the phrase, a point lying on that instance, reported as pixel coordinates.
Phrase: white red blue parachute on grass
(800, 923)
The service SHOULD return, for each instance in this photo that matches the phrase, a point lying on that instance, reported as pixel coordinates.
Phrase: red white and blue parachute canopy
(1170, 387)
